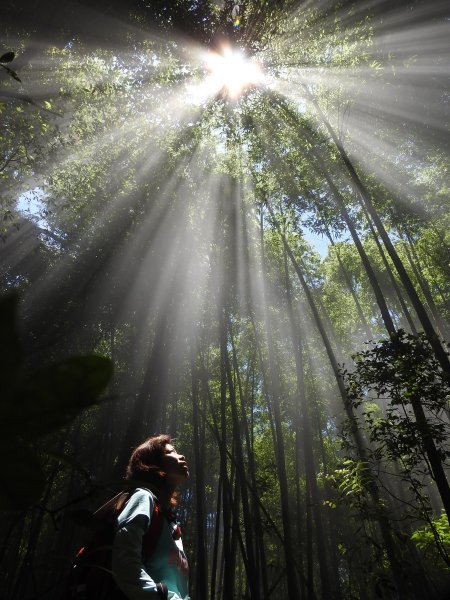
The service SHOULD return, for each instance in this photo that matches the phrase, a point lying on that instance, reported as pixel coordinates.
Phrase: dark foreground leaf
(34, 406)
(55, 396)
(22, 479)
(7, 57)
(11, 72)
(10, 352)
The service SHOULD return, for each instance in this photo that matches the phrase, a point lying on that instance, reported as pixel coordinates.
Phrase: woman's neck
(163, 494)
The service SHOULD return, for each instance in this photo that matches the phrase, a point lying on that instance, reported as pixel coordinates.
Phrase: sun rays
(163, 197)
(232, 71)
(172, 102)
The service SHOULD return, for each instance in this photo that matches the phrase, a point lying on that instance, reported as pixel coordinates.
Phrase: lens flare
(232, 72)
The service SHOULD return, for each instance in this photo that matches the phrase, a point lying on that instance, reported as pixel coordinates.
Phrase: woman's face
(174, 465)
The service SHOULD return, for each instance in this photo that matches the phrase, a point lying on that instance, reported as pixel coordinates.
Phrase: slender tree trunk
(387, 266)
(310, 470)
(279, 448)
(228, 574)
(218, 512)
(344, 271)
(249, 556)
(254, 520)
(378, 293)
(235, 504)
(413, 260)
(379, 296)
(25, 583)
(302, 533)
(383, 521)
(433, 455)
(364, 195)
(146, 415)
(201, 573)
(331, 525)
(215, 552)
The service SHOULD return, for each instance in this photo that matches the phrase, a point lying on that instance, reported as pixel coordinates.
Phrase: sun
(232, 72)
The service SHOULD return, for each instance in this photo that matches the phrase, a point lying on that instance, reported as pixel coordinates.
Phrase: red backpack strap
(153, 534)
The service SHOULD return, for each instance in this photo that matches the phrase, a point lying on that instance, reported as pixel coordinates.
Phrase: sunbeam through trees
(229, 222)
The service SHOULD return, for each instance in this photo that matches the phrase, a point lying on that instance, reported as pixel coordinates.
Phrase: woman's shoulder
(140, 503)
(143, 492)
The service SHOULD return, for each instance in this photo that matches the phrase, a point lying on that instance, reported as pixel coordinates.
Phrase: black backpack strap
(113, 506)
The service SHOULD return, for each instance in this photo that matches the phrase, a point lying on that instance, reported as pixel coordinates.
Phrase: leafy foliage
(396, 372)
(148, 240)
(434, 539)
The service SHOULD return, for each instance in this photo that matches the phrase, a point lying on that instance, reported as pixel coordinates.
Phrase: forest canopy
(229, 222)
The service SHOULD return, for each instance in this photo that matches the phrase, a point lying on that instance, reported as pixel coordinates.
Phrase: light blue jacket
(167, 564)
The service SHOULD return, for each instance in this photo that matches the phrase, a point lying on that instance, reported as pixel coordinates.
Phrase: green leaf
(55, 396)
(21, 477)
(7, 57)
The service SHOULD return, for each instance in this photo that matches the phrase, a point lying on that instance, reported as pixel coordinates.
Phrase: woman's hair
(145, 461)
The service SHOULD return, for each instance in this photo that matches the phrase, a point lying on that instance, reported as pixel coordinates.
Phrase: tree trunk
(387, 266)
(249, 556)
(364, 195)
(260, 566)
(344, 271)
(383, 521)
(228, 563)
(413, 260)
(432, 454)
(201, 573)
(279, 448)
(308, 454)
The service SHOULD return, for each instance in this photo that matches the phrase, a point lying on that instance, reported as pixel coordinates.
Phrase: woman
(155, 470)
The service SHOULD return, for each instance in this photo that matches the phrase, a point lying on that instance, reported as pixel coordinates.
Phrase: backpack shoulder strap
(113, 506)
(153, 534)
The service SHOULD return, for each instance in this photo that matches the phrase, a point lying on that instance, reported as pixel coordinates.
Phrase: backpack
(90, 576)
